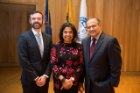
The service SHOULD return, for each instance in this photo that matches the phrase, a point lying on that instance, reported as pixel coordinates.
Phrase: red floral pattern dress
(67, 63)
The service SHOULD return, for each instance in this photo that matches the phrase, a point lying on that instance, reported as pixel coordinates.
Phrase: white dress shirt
(34, 32)
(97, 37)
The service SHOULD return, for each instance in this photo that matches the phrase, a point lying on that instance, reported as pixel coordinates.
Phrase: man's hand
(41, 81)
(80, 87)
(37, 82)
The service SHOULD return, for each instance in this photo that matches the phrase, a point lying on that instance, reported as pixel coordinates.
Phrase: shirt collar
(97, 37)
(34, 32)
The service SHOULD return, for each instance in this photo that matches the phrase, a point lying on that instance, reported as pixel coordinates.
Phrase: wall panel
(53, 18)
(108, 16)
(133, 40)
(138, 46)
(3, 46)
(91, 7)
(99, 9)
(119, 18)
(13, 24)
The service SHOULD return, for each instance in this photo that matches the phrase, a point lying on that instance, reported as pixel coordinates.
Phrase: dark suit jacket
(30, 58)
(104, 68)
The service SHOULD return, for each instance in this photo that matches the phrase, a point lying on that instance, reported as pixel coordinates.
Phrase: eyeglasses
(93, 26)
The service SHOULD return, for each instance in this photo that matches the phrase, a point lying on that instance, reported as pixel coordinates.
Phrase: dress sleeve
(54, 61)
(80, 67)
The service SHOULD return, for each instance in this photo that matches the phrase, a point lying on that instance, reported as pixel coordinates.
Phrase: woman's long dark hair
(72, 27)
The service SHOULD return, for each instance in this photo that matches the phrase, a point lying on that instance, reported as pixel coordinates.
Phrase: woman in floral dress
(67, 60)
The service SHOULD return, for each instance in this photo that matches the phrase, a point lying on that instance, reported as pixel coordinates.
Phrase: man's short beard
(36, 27)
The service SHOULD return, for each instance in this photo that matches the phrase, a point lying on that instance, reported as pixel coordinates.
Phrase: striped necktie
(39, 43)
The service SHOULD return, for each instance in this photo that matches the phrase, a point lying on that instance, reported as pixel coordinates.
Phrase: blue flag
(47, 20)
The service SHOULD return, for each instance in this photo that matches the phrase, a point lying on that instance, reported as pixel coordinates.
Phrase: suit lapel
(88, 47)
(34, 41)
(98, 45)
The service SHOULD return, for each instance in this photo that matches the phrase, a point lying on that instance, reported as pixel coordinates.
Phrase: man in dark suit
(34, 55)
(102, 57)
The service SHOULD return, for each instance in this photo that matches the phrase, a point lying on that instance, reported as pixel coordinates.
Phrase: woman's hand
(67, 84)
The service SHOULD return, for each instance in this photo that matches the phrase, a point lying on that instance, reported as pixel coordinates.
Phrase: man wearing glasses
(102, 57)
